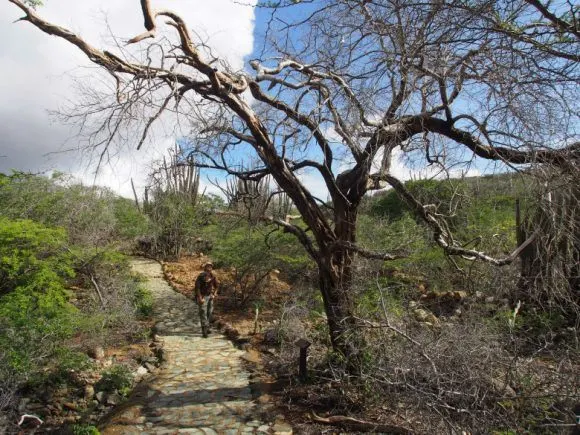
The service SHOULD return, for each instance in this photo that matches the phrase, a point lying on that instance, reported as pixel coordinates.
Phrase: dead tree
(436, 80)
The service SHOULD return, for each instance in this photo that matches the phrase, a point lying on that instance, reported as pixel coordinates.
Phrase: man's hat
(209, 263)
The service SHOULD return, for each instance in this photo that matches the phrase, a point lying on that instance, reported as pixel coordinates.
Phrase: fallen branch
(361, 425)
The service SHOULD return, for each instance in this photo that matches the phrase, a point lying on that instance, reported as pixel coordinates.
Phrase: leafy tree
(342, 86)
(253, 251)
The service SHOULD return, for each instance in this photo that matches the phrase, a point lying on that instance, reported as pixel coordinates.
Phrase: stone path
(202, 386)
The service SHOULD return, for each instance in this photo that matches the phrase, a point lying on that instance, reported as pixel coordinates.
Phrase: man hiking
(206, 286)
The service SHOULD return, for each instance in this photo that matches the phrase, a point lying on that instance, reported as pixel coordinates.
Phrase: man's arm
(197, 289)
(215, 286)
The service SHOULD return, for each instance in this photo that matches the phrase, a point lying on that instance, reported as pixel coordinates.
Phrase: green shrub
(35, 312)
(129, 222)
(254, 251)
(82, 429)
(143, 301)
(117, 378)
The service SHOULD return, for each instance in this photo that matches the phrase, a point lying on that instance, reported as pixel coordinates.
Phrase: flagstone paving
(202, 386)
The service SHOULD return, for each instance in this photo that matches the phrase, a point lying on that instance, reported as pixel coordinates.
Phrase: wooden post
(302, 369)
(520, 235)
(135, 195)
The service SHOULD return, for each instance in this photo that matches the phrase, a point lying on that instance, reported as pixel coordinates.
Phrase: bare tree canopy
(339, 87)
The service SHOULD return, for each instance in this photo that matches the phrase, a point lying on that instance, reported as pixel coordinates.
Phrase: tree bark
(335, 281)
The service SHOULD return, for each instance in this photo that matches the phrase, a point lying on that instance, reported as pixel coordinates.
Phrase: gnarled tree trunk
(335, 281)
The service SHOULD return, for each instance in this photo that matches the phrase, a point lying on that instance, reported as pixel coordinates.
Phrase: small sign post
(302, 369)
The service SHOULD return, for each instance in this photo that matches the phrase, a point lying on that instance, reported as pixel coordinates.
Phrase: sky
(38, 72)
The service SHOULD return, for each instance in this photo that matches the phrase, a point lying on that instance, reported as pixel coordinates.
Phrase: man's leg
(210, 311)
(203, 316)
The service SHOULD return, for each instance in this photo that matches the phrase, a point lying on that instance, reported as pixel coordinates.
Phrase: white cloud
(37, 68)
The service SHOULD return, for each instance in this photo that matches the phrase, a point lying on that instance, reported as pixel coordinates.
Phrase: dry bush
(464, 372)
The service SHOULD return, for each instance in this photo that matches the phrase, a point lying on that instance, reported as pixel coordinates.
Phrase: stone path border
(202, 386)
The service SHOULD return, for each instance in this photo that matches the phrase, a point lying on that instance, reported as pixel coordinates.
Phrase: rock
(89, 392)
(501, 387)
(282, 429)
(23, 404)
(150, 367)
(271, 336)
(97, 353)
(425, 316)
(443, 303)
(478, 295)
(114, 399)
(70, 406)
(252, 356)
(489, 300)
(101, 396)
(141, 371)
